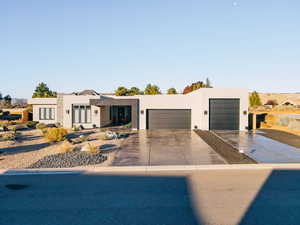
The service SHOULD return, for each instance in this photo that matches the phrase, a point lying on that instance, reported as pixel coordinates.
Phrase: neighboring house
(281, 98)
(206, 108)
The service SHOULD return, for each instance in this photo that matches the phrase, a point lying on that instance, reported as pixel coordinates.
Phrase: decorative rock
(69, 159)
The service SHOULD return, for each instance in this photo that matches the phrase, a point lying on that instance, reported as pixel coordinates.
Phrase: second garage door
(224, 114)
(168, 119)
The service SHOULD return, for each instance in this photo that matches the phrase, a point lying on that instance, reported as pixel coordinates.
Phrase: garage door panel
(169, 119)
(224, 114)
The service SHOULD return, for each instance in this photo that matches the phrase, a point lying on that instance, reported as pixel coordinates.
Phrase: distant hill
(22, 101)
(280, 97)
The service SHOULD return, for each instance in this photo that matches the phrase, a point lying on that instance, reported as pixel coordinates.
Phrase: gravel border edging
(227, 151)
(281, 136)
(69, 159)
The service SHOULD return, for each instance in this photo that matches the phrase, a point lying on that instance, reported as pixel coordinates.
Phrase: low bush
(128, 126)
(3, 128)
(55, 134)
(83, 138)
(90, 148)
(58, 125)
(41, 126)
(8, 136)
(31, 124)
(14, 128)
(66, 147)
(103, 137)
(76, 128)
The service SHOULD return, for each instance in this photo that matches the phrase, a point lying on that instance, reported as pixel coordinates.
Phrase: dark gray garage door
(168, 119)
(224, 114)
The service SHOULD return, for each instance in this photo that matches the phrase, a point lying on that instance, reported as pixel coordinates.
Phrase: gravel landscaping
(69, 159)
(31, 150)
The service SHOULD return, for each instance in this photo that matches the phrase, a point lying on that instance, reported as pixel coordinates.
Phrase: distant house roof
(87, 92)
(291, 101)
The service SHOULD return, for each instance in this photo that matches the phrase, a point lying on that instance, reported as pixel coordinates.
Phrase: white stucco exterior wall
(36, 115)
(38, 103)
(197, 101)
(70, 100)
(200, 103)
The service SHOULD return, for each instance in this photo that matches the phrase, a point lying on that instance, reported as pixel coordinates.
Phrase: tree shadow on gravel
(23, 148)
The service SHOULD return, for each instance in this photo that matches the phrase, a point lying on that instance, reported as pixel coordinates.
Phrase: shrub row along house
(206, 109)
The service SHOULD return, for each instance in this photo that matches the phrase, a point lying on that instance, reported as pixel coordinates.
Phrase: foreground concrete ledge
(145, 169)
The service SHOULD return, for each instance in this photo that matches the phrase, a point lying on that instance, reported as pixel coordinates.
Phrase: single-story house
(206, 109)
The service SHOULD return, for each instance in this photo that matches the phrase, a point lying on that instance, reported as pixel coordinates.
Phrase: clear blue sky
(74, 45)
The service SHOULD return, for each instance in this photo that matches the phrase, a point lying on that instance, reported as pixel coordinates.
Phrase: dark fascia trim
(112, 101)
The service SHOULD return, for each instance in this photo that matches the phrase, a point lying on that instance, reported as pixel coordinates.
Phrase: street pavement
(210, 197)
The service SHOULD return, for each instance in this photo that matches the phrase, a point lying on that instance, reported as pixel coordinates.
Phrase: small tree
(254, 99)
(194, 87)
(172, 91)
(134, 91)
(7, 100)
(42, 91)
(152, 90)
(1, 98)
(121, 91)
(207, 83)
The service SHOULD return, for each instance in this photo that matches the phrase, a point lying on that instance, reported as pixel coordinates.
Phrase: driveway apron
(166, 147)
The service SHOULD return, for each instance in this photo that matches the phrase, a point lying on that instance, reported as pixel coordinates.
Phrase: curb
(147, 169)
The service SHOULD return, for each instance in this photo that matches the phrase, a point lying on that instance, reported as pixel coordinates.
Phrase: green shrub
(31, 124)
(128, 126)
(76, 128)
(41, 126)
(55, 134)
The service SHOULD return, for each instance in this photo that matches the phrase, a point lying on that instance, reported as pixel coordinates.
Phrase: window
(47, 113)
(82, 114)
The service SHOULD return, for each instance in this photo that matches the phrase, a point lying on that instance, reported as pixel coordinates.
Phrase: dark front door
(121, 115)
(224, 114)
(168, 119)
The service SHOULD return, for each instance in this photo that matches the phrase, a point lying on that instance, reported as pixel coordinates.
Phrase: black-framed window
(82, 114)
(47, 113)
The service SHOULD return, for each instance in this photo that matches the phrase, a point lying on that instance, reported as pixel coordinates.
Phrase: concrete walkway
(260, 148)
(254, 194)
(166, 147)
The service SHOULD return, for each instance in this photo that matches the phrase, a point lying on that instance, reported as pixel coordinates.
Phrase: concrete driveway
(166, 147)
(260, 148)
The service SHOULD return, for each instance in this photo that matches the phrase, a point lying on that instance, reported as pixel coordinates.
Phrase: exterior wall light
(245, 112)
(96, 111)
(196, 127)
(205, 112)
(68, 111)
(142, 112)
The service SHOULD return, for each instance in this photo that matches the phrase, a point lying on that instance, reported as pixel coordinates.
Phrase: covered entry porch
(121, 111)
